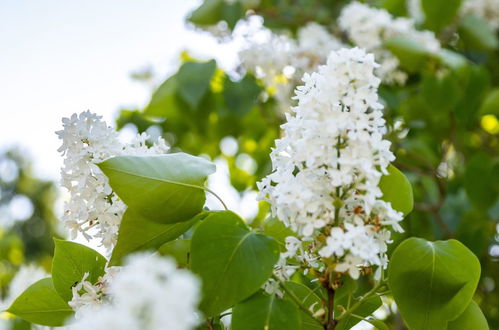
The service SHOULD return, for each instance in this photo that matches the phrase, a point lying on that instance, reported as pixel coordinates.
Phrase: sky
(60, 57)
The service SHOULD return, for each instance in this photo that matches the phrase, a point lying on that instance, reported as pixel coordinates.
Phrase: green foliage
(28, 240)
(419, 278)
(491, 103)
(41, 304)
(439, 13)
(139, 234)
(275, 228)
(232, 261)
(479, 181)
(364, 309)
(412, 55)
(208, 13)
(471, 318)
(179, 249)
(241, 96)
(262, 311)
(446, 149)
(308, 298)
(193, 80)
(397, 190)
(163, 101)
(165, 189)
(377, 324)
(477, 33)
(71, 262)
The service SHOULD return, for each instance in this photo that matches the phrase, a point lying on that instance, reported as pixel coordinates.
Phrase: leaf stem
(217, 197)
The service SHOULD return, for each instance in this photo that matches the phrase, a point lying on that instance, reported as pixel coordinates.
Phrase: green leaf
(208, 13)
(365, 309)
(452, 59)
(41, 304)
(164, 100)
(307, 298)
(397, 190)
(490, 104)
(477, 33)
(471, 318)
(432, 282)
(439, 13)
(71, 261)
(394, 7)
(275, 228)
(380, 325)
(179, 249)
(167, 188)
(139, 234)
(411, 54)
(193, 81)
(231, 13)
(478, 179)
(232, 261)
(241, 96)
(262, 311)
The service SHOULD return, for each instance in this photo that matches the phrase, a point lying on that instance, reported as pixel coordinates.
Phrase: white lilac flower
(147, 293)
(486, 9)
(369, 28)
(93, 207)
(328, 164)
(87, 295)
(280, 60)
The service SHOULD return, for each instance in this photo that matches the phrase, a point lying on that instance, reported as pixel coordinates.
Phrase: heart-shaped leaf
(165, 188)
(41, 304)
(71, 261)
(232, 261)
(432, 282)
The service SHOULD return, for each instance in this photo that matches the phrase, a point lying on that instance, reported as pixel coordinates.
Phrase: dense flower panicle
(369, 28)
(87, 140)
(327, 165)
(486, 9)
(280, 61)
(148, 293)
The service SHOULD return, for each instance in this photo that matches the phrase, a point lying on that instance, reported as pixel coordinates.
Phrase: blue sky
(59, 57)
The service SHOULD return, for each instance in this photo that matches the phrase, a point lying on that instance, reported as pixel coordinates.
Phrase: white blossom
(147, 293)
(87, 295)
(280, 60)
(93, 209)
(327, 167)
(369, 28)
